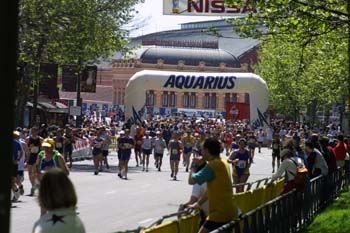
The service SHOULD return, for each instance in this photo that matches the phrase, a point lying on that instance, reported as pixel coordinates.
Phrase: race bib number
(275, 146)
(98, 145)
(174, 151)
(34, 150)
(242, 164)
(139, 142)
(58, 145)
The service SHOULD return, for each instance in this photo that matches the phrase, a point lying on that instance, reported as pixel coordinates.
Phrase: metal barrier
(275, 216)
(253, 185)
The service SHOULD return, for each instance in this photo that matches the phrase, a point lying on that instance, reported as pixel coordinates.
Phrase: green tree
(311, 38)
(67, 32)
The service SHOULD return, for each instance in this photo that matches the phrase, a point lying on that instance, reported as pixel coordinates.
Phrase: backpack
(301, 176)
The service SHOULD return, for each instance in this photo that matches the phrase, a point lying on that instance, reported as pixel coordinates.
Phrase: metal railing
(254, 184)
(290, 212)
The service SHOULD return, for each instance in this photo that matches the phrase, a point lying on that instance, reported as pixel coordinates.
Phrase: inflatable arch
(250, 83)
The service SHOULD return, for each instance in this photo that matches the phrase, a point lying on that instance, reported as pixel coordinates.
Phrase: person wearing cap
(241, 161)
(288, 169)
(49, 157)
(159, 147)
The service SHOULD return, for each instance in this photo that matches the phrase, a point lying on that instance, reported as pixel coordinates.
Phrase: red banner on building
(237, 111)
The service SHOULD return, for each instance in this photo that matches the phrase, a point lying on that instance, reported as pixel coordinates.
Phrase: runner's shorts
(96, 151)
(147, 151)
(187, 150)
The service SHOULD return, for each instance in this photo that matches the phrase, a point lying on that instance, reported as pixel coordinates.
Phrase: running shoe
(96, 173)
(32, 192)
(172, 174)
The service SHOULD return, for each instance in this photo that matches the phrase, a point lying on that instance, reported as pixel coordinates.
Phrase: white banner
(181, 82)
(205, 8)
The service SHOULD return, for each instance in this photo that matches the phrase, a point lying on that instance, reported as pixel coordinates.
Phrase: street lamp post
(79, 100)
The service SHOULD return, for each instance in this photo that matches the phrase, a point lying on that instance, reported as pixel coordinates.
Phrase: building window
(165, 99)
(213, 101)
(186, 100)
(206, 100)
(246, 98)
(172, 99)
(227, 98)
(234, 98)
(193, 100)
(150, 98)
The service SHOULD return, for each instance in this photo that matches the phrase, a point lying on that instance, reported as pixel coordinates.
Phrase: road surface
(108, 204)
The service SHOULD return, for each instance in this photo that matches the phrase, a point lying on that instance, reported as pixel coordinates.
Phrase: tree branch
(319, 7)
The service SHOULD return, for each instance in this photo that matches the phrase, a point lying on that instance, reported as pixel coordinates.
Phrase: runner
(188, 142)
(97, 144)
(174, 149)
(68, 145)
(240, 160)
(138, 146)
(159, 146)
(17, 156)
(276, 148)
(228, 139)
(260, 136)
(34, 146)
(146, 150)
(269, 137)
(49, 158)
(105, 147)
(251, 146)
(59, 139)
(20, 171)
(126, 143)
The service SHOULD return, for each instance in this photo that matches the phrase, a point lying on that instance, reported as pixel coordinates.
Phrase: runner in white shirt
(269, 137)
(159, 147)
(146, 150)
(260, 136)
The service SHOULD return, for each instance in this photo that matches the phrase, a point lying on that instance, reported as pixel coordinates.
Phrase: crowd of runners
(176, 139)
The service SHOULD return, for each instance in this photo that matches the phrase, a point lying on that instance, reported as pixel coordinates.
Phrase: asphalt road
(108, 204)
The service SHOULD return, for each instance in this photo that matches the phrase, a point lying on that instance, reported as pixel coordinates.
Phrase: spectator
(198, 192)
(316, 163)
(58, 197)
(219, 187)
(340, 151)
(289, 169)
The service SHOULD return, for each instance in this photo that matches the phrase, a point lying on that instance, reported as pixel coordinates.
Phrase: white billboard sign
(205, 8)
(75, 110)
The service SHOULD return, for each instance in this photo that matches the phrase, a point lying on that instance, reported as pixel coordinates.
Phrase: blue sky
(150, 18)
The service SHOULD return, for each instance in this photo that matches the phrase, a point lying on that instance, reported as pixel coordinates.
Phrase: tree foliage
(304, 47)
(68, 32)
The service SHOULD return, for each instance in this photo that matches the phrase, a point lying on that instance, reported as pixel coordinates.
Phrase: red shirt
(340, 151)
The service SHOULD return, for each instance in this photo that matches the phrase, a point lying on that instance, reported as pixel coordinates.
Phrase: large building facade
(188, 49)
